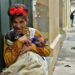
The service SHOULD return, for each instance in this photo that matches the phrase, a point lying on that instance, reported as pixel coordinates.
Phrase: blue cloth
(35, 40)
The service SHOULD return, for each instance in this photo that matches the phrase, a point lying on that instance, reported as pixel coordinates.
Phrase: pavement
(65, 64)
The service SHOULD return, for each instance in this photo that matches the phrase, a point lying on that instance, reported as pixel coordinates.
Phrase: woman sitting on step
(24, 47)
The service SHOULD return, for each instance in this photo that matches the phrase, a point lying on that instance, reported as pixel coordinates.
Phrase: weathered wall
(60, 14)
(41, 17)
(64, 2)
(53, 19)
(62, 20)
(68, 13)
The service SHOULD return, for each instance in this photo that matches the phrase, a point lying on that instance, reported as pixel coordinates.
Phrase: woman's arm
(10, 55)
(42, 50)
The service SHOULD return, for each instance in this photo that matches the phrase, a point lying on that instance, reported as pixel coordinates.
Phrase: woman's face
(19, 24)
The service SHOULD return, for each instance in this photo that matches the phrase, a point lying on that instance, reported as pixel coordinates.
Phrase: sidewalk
(65, 64)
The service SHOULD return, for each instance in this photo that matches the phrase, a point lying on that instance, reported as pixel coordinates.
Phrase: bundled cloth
(29, 63)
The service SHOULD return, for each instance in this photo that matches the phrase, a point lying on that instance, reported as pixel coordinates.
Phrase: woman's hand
(24, 39)
(27, 44)
(25, 49)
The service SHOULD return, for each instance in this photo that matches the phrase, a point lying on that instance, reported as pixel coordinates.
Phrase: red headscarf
(19, 10)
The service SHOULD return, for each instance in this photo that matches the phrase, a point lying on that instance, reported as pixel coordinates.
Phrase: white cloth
(32, 32)
(28, 64)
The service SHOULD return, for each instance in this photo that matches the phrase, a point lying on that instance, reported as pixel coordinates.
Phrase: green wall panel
(28, 3)
(1, 48)
(20, 1)
(4, 27)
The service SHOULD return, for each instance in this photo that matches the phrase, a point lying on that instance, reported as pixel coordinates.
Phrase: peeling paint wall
(41, 16)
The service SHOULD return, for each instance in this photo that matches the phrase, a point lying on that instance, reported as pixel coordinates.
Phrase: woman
(21, 39)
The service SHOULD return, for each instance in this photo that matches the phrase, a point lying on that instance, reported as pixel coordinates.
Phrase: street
(65, 64)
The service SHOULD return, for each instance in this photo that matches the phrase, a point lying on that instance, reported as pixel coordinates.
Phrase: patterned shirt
(12, 47)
